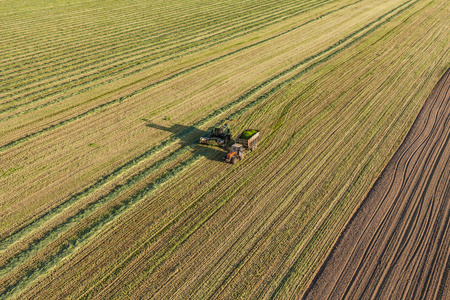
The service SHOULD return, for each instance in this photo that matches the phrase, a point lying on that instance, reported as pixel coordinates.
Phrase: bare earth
(397, 244)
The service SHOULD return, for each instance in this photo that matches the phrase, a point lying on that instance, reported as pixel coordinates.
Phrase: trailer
(249, 138)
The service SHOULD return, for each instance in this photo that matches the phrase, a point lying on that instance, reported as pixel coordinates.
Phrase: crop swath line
(170, 32)
(216, 39)
(6, 242)
(226, 19)
(175, 20)
(264, 96)
(170, 15)
(84, 234)
(108, 52)
(175, 13)
(157, 234)
(89, 63)
(105, 30)
(86, 211)
(29, 136)
(139, 61)
(136, 71)
(25, 16)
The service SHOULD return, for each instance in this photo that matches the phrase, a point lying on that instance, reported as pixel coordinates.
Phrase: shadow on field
(190, 135)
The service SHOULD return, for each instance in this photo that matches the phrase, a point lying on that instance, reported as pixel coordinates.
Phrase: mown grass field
(105, 192)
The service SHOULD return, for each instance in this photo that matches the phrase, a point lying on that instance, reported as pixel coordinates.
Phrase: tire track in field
(408, 159)
(29, 278)
(403, 238)
(411, 219)
(117, 69)
(407, 163)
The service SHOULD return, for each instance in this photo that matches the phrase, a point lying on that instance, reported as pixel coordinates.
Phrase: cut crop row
(104, 29)
(150, 66)
(264, 22)
(229, 106)
(123, 37)
(27, 274)
(325, 148)
(159, 30)
(28, 137)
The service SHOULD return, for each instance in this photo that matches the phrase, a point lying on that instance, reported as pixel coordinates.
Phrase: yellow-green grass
(110, 198)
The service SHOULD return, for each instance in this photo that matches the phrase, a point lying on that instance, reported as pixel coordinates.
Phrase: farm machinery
(237, 151)
(247, 140)
(219, 135)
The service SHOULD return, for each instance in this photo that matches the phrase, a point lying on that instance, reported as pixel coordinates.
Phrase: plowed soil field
(397, 245)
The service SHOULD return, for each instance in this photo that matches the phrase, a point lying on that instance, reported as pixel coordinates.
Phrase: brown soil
(397, 244)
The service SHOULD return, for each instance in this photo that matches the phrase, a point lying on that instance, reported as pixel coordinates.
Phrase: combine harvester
(247, 140)
(219, 135)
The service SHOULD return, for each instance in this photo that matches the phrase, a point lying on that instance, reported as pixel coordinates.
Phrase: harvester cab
(237, 151)
(220, 130)
(219, 135)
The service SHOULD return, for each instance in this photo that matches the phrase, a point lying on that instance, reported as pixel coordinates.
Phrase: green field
(105, 191)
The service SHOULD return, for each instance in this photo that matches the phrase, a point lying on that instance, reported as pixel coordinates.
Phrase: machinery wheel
(233, 160)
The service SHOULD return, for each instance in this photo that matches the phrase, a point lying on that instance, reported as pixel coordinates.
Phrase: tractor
(237, 151)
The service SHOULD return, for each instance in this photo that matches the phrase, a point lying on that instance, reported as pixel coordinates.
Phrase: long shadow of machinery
(190, 135)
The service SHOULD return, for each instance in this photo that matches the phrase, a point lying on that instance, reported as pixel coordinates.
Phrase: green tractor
(219, 135)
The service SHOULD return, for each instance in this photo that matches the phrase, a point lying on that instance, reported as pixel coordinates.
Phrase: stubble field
(105, 192)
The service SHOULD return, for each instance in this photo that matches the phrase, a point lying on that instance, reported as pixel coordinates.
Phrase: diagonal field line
(215, 41)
